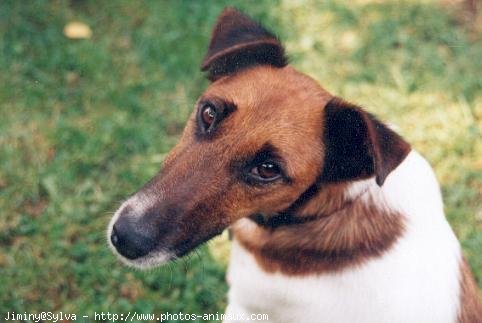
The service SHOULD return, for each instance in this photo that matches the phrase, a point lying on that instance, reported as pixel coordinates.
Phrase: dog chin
(151, 260)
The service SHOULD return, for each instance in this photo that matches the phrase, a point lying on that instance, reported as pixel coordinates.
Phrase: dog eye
(208, 115)
(266, 171)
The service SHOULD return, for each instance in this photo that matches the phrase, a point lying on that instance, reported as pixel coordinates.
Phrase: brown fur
(238, 42)
(276, 106)
(358, 145)
(323, 144)
(347, 233)
(201, 188)
(470, 306)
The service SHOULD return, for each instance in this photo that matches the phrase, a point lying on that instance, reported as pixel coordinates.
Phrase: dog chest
(382, 291)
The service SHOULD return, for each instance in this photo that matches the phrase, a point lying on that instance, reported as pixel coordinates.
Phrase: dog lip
(189, 245)
(149, 261)
(152, 259)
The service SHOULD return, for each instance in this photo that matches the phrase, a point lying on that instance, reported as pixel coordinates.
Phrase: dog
(334, 217)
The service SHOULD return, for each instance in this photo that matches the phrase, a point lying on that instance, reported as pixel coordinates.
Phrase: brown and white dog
(334, 217)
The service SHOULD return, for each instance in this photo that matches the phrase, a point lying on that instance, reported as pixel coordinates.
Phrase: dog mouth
(157, 256)
(153, 259)
(187, 246)
(136, 246)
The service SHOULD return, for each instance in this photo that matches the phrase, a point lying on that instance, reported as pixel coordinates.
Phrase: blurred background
(93, 94)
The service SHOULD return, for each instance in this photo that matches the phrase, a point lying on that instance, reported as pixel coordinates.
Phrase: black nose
(130, 239)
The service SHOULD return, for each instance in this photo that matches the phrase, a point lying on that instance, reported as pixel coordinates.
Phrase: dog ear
(357, 145)
(238, 42)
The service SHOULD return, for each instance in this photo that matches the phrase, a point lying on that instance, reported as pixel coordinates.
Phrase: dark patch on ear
(238, 42)
(358, 145)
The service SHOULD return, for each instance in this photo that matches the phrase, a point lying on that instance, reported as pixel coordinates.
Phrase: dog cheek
(271, 202)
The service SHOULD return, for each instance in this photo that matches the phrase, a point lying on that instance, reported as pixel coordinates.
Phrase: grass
(84, 123)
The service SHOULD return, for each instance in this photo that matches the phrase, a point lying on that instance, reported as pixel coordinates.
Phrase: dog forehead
(271, 91)
(279, 106)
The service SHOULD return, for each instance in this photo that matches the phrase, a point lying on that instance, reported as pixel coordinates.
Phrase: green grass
(85, 123)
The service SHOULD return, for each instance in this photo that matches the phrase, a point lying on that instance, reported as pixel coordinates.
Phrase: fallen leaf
(77, 30)
(72, 78)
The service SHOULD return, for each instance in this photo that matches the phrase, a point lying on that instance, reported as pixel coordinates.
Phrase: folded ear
(357, 145)
(238, 42)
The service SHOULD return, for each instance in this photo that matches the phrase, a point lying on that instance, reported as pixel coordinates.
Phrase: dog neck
(340, 226)
(289, 217)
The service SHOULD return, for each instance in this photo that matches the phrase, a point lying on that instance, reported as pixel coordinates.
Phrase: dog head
(260, 137)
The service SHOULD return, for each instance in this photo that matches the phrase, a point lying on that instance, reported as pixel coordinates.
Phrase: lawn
(84, 123)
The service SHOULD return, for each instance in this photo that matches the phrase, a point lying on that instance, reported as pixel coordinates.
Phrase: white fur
(416, 281)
